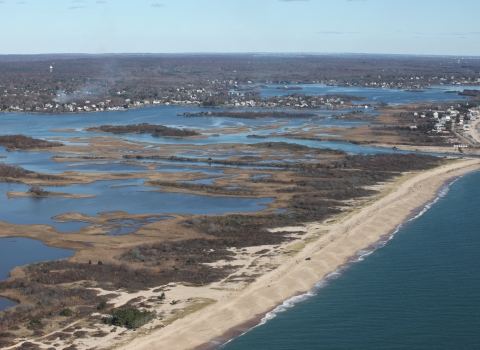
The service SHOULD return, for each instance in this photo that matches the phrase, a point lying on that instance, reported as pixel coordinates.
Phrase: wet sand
(346, 236)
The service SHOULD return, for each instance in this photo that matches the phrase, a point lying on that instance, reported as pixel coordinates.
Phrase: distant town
(110, 83)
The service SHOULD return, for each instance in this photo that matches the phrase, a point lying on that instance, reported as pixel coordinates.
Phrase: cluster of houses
(452, 116)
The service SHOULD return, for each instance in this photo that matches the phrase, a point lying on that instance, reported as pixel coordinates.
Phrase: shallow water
(114, 195)
(130, 195)
(420, 291)
(6, 303)
(18, 251)
(372, 95)
(455, 87)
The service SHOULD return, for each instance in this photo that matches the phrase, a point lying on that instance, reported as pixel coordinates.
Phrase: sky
(421, 27)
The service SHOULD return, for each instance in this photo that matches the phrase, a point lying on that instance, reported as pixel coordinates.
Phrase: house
(438, 127)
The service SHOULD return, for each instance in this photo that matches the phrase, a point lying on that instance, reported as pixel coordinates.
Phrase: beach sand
(296, 275)
(473, 131)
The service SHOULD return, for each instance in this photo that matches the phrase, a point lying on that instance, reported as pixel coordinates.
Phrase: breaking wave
(358, 257)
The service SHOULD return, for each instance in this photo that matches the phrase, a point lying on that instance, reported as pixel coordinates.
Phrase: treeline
(295, 147)
(355, 115)
(31, 87)
(212, 189)
(249, 162)
(156, 130)
(12, 142)
(17, 172)
(474, 94)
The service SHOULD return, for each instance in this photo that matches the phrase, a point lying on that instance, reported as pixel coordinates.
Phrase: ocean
(420, 290)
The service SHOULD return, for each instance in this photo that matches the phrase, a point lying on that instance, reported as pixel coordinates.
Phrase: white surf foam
(359, 256)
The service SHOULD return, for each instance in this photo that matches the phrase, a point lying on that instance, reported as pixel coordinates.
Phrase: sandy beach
(473, 130)
(346, 235)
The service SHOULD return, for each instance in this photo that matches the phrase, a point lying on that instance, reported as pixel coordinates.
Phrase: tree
(36, 190)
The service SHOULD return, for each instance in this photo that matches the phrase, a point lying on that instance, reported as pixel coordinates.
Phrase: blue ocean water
(420, 291)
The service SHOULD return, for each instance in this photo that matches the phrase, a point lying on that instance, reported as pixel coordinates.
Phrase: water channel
(132, 196)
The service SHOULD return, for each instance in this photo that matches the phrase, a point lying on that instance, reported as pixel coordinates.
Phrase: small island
(156, 130)
(289, 88)
(249, 115)
(37, 192)
(13, 142)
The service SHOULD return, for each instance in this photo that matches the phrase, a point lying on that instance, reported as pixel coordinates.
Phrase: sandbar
(49, 194)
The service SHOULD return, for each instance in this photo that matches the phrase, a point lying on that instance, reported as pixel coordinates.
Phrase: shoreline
(238, 313)
(191, 105)
(11, 195)
(259, 320)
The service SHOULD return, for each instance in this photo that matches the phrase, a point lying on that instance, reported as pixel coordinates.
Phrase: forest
(103, 82)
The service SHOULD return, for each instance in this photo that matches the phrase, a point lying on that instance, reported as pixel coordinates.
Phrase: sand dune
(346, 236)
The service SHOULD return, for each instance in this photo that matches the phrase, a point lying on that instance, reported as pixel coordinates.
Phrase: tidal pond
(123, 195)
(19, 251)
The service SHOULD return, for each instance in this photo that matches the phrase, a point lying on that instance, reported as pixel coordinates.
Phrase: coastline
(241, 310)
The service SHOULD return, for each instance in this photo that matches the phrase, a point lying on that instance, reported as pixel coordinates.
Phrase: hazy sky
(438, 27)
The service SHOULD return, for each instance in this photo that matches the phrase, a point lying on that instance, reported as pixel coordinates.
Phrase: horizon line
(242, 53)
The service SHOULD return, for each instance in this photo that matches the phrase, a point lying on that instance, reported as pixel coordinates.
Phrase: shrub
(102, 306)
(66, 312)
(130, 318)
